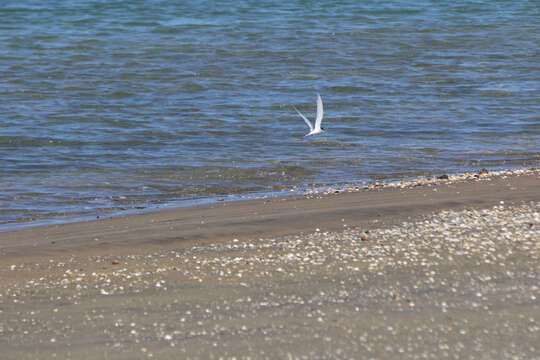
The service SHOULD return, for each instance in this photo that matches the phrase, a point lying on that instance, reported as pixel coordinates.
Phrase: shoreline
(307, 190)
(328, 209)
(443, 269)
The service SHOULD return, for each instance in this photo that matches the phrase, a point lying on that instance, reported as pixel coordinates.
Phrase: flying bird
(317, 129)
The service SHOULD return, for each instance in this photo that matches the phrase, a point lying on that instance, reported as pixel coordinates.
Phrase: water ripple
(120, 104)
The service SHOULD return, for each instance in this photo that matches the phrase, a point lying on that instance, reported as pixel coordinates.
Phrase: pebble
(481, 175)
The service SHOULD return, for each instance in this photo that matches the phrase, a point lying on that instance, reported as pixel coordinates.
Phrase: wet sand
(427, 269)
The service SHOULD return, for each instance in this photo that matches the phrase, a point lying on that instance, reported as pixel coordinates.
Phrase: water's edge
(311, 191)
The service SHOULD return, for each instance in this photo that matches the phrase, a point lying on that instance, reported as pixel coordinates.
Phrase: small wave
(193, 87)
(119, 94)
(349, 89)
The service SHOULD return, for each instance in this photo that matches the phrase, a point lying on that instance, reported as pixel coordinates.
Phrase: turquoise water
(111, 105)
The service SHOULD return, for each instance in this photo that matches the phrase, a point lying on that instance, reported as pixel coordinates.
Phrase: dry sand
(426, 269)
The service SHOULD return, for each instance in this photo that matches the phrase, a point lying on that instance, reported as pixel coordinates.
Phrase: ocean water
(119, 105)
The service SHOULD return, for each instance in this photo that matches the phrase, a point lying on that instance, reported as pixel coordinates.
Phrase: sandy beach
(433, 268)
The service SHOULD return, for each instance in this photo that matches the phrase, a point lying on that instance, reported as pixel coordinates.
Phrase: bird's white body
(314, 130)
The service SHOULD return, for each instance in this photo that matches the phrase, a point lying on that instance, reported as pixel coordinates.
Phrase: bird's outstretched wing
(318, 120)
(305, 119)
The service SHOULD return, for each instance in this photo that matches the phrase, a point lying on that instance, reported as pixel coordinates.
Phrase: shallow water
(118, 105)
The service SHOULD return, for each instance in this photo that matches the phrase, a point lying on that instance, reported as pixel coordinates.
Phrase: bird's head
(323, 129)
